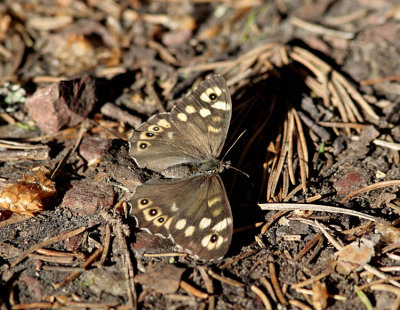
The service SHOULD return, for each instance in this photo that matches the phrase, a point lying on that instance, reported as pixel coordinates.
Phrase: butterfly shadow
(259, 108)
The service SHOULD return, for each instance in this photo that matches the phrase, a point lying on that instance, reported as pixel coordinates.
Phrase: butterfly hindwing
(196, 128)
(200, 223)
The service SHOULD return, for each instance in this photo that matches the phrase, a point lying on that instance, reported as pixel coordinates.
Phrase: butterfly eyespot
(156, 128)
(212, 96)
(144, 201)
(214, 238)
(153, 212)
(161, 220)
(149, 134)
(143, 145)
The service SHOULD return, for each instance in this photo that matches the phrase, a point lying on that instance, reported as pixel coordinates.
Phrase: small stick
(47, 243)
(234, 260)
(192, 290)
(76, 274)
(225, 279)
(263, 297)
(314, 207)
(321, 29)
(106, 245)
(370, 187)
(275, 284)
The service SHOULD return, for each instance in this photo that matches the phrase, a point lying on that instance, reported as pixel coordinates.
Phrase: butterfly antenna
(230, 148)
(238, 170)
(233, 144)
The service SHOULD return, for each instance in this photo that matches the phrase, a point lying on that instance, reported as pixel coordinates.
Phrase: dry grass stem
(314, 207)
(308, 246)
(275, 284)
(59, 260)
(225, 279)
(209, 287)
(311, 280)
(342, 125)
(263, 297)
(370, 188)
(192, 290)
(76, 274)
(107, 240)
(165, 254)
(321, 30)
(299, 304)
(238, 258)
(47, 243)
(269, 288)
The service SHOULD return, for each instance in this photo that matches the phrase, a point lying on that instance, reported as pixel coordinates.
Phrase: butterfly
(188, 204)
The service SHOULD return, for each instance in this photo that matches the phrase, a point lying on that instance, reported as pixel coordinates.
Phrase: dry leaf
(26, 196)
(320, 295)
(356, 254)
(164, 279)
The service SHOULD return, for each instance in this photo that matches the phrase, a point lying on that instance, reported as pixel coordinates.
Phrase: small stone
(62, 104)
(88, 196)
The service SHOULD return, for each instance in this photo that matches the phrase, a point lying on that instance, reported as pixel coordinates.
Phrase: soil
(315, 89)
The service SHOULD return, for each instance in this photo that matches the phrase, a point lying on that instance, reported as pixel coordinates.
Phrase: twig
(390, 145)
(299, 304)
(263, 297)
(314, 207)
(342, 125)
(209, 287)
(165, 254)
(371, 187)
(275, 284)
(234, 260)
(225, 279)
(76, 274)
(192, 290)
(47, 243)
(321, 29)
(308, 246)
(269, 288)
(311, 280)
(107, 240)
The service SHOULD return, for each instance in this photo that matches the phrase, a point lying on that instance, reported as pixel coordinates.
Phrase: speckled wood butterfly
(189, 204)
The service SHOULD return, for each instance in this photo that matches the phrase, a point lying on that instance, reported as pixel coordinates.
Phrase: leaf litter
(314, 85)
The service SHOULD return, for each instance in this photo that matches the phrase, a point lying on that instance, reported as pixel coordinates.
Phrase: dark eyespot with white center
(213, 96)
(144, 203)
(214, 238)
(157, 128)
(143, 145)
(161, 220)
(149, 134)
(153, 212)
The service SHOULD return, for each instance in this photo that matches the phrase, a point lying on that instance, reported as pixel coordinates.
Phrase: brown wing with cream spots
(153, 145)
(195, 129)
(194, 212)
(204, 115)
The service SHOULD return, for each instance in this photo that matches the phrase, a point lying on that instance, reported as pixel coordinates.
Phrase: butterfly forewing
(193, 211)
(205, 114)
(152, 146)
(195, 129)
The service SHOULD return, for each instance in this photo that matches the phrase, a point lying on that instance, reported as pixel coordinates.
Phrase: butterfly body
(189, 204)
(195, 168)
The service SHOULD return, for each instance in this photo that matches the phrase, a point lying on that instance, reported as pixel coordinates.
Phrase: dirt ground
(315, 89)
